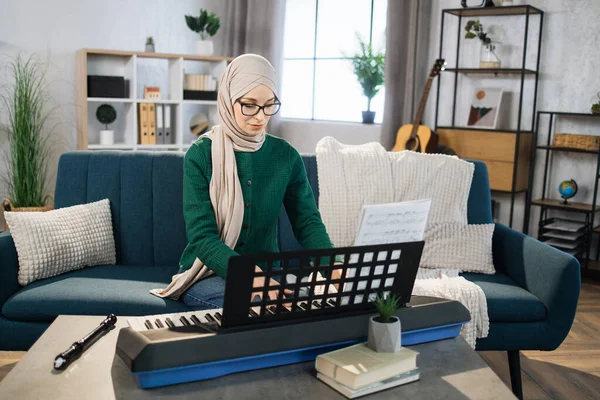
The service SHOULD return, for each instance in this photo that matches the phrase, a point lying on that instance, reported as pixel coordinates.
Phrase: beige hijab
(241, 76)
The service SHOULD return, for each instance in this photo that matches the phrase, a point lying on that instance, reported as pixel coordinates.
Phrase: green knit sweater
(270, 177)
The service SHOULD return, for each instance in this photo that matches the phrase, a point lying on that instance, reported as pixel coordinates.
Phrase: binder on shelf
(143, 123)
(167, 127)
(151, 123)
(160, 130)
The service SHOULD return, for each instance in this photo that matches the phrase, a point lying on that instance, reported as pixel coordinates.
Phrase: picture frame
(485, 108)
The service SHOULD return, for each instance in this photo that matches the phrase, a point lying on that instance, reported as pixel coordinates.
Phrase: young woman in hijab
(236, 178)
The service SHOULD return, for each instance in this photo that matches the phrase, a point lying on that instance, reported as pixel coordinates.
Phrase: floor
(570, 372)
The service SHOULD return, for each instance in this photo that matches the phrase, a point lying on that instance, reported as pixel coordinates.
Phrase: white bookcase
(140, 69)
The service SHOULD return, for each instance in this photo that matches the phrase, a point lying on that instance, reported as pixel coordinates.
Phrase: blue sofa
(531, 300)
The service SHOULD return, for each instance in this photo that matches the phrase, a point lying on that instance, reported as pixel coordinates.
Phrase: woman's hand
(259, 282)
(337, 274)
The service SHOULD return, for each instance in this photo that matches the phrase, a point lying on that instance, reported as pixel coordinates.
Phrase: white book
(358, 366)
(398, 380)
(567, 226)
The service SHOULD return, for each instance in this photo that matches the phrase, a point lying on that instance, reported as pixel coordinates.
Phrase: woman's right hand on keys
(259, 282)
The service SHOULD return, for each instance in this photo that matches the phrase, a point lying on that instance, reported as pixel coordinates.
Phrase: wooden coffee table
(450, 369)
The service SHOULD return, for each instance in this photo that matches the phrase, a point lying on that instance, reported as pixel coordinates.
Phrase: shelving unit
(170, 77)
(582, 243)
(506, 152)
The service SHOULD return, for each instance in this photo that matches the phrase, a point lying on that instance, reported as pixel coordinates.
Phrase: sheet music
(381, 224)
(393, 222)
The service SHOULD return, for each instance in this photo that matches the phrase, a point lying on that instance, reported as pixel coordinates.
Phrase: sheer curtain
(256, 26)
(408, 26)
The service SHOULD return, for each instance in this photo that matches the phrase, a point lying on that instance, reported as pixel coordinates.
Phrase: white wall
(569, 81)
(55, 30)
(304, 135)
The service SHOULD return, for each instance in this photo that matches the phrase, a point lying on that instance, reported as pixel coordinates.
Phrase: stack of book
(357, 370)
(203, 82)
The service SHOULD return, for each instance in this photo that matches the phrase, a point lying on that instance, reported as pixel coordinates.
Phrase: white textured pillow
(54, 242)
(467, 248)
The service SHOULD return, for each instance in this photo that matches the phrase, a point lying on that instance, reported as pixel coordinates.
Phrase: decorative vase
(8, 206)
(489, 56)
(368, 117)
(384, 337)
(204, 47)
(107, 137)
(150, 48)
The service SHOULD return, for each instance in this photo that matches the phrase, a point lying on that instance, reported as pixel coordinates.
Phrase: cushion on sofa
(100, 290)
(507, 301)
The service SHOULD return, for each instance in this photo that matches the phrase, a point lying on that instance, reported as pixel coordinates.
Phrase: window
(317, 83)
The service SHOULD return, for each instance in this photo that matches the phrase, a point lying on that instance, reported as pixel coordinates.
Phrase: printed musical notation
(393, 222)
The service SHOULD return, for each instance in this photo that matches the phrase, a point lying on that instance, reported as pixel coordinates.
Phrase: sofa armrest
(551, 275)
(9, 267)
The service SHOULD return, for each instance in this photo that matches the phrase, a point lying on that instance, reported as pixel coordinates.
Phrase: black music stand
(367, 271)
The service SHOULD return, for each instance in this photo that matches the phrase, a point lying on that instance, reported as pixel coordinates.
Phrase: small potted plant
(384, 329)
(596, 106)
(368, 67)
(488, 56)
(106, 114)
(149, 44)
(206, 25)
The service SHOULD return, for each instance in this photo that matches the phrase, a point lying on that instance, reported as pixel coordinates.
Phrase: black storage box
(106, 86)
(199, 95)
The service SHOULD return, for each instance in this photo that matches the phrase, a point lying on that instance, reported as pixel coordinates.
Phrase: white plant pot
(204, 47)
(384, 337)
(107, 137)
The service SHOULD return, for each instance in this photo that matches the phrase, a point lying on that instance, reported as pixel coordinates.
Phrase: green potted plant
(24, 115)
(596, 106)
(149, 45)
(368, 66)
(488, 56)
(385, 334)
(206, 25)
(106, 114)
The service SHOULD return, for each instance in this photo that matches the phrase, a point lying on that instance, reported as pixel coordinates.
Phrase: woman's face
(255, 124)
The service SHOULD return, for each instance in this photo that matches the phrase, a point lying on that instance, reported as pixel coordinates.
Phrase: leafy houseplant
(384, 329)
(25, 115)
(488, 58)
(149, 44)
(596, 106)
(205, 24)
(368, 66)
(106, 114)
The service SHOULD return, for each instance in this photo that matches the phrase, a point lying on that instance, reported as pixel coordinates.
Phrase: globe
(567, 189)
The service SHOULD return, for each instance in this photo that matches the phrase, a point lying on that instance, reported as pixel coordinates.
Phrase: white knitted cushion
(54, 242)
(467, 248)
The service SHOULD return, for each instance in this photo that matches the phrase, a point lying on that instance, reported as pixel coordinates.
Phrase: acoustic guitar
(417, 137)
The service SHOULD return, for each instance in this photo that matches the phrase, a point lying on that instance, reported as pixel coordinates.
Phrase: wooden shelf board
(479, 129)
(503, 71)
(158, 146)
(559, 204)
(210, 102)
(110, 147)
(162, 101)
(142, 54)
(568, 149)
(109, 100)
(493, 11)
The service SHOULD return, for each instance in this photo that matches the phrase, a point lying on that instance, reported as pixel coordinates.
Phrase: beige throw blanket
(353, 176)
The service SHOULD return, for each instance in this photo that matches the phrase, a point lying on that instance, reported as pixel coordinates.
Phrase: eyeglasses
(250, 109)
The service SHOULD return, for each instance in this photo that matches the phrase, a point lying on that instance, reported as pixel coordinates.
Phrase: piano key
(218, 316)
(209, 317)
(184, 321)
(169, 322)
(195, 319)
(136, 324)
(159, 323)
(148, 324)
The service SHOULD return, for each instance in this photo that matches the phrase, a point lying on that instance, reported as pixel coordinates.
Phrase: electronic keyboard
(201, 350)
(254, 331)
